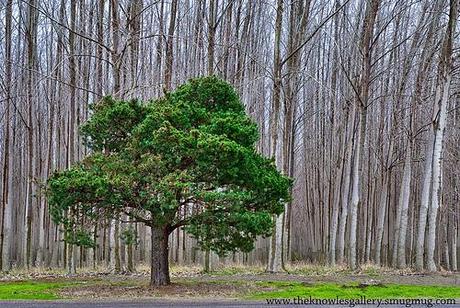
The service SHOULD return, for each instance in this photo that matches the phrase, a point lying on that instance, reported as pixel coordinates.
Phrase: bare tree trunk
(439, 124)
(345, 189)
(453, 233)
(212, 25)
(424, 202)
(31, 34)
(340, 162)
(381, 216)
(116, 57)
(362, 101)
(116, 236)
(169, 46)
(99, 48)
(404, 207)
(7, 204)
(275, 250)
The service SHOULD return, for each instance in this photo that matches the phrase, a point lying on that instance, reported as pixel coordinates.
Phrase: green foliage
(79, 237)
(192, 149)
(111, 123)
(129, 236)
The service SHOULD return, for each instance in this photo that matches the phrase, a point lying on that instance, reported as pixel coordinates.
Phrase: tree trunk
(381, 215)
(423, 211)
(362, 101)
(404, 205)
(159, 266)
(130, 258)
(345, 191)
(117, 262)
(116, 57)
(211, 35)
(99, 51)
(453, 241)
(275, 251)
(31, 63)
(169, 46)
(439, 125)
(7, 204)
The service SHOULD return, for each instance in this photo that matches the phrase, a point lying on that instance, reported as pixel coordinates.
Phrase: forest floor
(231, 282)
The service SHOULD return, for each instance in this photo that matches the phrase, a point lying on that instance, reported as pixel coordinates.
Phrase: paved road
(130, 304)
(163, 303)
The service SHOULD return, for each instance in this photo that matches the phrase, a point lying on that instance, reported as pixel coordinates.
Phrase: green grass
(29, 290)
(324, 291)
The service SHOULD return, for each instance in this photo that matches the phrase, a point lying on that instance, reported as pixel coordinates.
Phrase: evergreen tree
(186, 160)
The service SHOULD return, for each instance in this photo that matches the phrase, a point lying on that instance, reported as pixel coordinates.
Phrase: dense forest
(357, 101)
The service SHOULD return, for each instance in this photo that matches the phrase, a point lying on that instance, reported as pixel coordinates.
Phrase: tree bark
(212, 25)
(275, 250)
(362, 101)
(7, 204)
(31, 65)
(439, 125)
(345, 190)
(169, 46)
(159, 267)
(404, 205)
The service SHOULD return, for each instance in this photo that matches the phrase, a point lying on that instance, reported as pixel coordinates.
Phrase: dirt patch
(175, 290)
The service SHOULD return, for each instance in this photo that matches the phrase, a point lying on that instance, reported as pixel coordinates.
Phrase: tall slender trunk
(362, 101)
(159, 45)
(117, 246)
(345, 190)
(453, 234)
(423, 211)
(72, 115)
(356, 188)
(7, 181)
(72, 258)
(404, 205)
(438, 126)
(381, 215)
(335, 200)
(116, 57)
(169, 46)
(335, 214)
(99, 50)
(275, 251)
(134, 26)
(31, 65)
(212, 26)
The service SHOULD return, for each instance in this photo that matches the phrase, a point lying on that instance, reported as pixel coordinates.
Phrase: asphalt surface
(165, 303)
(131, 304)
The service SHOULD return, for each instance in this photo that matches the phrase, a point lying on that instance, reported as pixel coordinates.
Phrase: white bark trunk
(112, 244)
(354, 204)
(423, 211)
(8, 221)
(442, 95)
(404, 204)
(381, 217)
(345, 198)
(274, 254)
(41, 235)
(335, 217)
